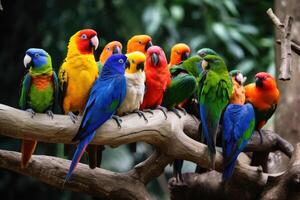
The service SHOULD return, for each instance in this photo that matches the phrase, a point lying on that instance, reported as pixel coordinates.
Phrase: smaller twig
(286, 54)
(295, 47)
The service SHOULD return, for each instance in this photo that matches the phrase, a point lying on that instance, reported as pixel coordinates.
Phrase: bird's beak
(154, 58)
(148, 45)
(258, 82)
(117, 50)
(127, 64)
(185, 56)
(204, 64)
(27, 60)
(140, 66)
(95, 42)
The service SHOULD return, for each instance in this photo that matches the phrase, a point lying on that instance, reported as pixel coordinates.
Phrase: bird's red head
(156, 57)
(179, 52)
(114, 47)
(264, 80)
(139, 43)
(86, 41)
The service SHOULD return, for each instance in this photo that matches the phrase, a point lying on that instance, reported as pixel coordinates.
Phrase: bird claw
(141, 114)
(118, 120)
(259, 169)
(73, 117)
(174, 110)
(164, 110)
(32, 113)
(148, 111)
(260, 136)
(50, 114)
(181, 109)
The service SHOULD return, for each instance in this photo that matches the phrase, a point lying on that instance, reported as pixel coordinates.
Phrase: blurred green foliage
(239, 30)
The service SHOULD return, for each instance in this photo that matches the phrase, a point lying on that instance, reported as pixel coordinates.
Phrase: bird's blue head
(115, 64)
(37, 59)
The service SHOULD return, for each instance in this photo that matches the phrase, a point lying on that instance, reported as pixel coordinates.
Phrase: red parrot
(158, 78)
(264, 96)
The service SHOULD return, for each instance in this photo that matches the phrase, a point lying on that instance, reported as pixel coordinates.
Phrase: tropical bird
(158, 78)
(139, 43)
(179, 53)
(114, 47)
(264, 96)
(77, 75)
(100, 107)
(214, 94)
(238, 124)
(39, 92)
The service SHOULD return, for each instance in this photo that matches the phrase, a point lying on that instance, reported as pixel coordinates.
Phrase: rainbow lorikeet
(264, 96)
(99, 107)
(238, 124)
(77, 75)
(139, 43)
(39, 92)
(179, 53)
(158, 78)
(114, 47)
(214, 94)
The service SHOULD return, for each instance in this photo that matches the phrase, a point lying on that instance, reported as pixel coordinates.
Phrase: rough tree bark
(168, 136)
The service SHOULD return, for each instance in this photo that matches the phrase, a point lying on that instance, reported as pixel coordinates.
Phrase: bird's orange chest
(42, 82)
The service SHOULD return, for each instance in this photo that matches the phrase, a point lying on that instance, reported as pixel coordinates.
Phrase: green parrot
(39, 92)
(215, 89)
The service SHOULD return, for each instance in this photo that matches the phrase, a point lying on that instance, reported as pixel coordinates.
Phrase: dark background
(239, 30)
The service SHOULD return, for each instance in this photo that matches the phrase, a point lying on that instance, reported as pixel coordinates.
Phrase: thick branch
(286, 54)
(97, 182)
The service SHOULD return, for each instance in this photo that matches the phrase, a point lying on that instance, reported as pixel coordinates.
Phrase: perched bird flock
(140, 80)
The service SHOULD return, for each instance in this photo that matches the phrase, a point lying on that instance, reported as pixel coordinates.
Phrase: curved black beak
(184, 56)
(117, 50)
(127, 64)
(140, 66)
(258, 82)
(148, 45)
(154, 59)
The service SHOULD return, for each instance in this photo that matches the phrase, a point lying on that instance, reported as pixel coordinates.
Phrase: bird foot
(181, 109)
(73, 117)
(164, 110)
(118, 120)
(259, 169)
(174, 110)
(50, 114)
(260, 136)
(32, 113)
(148, 111)
(141, 114)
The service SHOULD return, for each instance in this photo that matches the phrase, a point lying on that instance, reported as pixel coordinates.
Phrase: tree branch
(286, 54)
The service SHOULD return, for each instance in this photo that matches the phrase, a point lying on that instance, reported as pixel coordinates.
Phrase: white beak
(241, 78)
(27, 60)
(95, 41)
(204, 64)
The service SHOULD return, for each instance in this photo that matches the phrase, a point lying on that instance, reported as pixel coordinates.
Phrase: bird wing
(105, 97)
(26, 83)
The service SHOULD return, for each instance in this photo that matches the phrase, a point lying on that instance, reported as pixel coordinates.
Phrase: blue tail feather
(228, 170)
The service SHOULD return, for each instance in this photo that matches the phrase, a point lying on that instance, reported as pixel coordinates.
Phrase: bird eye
(36, 55)
(108, 48)
(121, 61)
(83, 36)
(178, 52)
(140, 42)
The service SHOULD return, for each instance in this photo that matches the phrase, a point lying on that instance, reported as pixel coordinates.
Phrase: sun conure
(114, 47)
(214, 94)
(139, 43)
(39, 92)
(106, 95)
(179, 53)
(77, 75)
(264, 96)
(158, 78)
(238, 124)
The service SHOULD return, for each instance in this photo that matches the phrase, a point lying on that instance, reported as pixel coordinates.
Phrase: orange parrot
(113, 47)
(264, 96)
(179, 53)
(139, 43)
(77, 75)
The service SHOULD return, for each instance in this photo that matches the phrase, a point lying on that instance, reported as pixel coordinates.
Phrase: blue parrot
(238, 127)
(107, 94)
